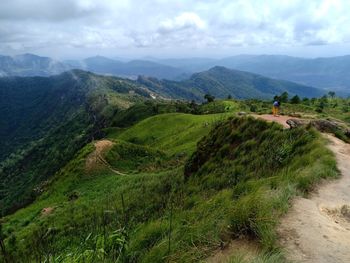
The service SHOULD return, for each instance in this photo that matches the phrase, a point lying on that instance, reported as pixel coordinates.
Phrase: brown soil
(318, 229)
(96, 160)
(239, 247)
(281, 119)
(46, 211)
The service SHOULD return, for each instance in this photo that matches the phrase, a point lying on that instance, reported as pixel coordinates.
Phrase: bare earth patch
(96, 160)
(238, 247)
(281, 119)
(46, 211)
(318, 229)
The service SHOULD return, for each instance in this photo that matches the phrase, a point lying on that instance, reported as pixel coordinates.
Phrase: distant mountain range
(31, 65)
(131, 69)
(222, 82)
(324, 73)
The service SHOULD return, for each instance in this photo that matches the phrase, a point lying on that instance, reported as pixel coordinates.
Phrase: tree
(209, 97)
(278, 98)
(331, 94)
(194, 107)
(295, 100)
(284, 97)
(320, 106)
(306, 101)
(324, 98)
(229, 97)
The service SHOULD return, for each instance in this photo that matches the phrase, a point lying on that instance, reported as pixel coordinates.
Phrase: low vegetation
(178, 201)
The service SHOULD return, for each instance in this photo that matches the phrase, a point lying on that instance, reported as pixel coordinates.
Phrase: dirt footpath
(318, 229)
(96, 159)
(281, 119)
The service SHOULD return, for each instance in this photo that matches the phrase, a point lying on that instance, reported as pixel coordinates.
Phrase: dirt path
(280, 119)
(318, 229)
(96, 157)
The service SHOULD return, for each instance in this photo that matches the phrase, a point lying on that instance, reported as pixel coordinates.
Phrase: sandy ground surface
(94, 159)
(318, 229)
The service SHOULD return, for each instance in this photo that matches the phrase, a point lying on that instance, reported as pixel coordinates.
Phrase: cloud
(187, 20)
(152, 26)
(46, 9)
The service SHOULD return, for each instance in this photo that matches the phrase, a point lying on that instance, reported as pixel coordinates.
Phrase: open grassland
(238, 180)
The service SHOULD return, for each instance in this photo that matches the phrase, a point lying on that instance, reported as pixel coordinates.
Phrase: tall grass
(239, 181)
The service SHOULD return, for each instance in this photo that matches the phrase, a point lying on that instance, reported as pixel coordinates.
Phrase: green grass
(239, 180)
(172, 133)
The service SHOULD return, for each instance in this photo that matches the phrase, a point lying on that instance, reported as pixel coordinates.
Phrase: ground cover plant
(181, 202)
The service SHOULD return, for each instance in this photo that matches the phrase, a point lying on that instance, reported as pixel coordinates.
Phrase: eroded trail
(318, 229)
(96, 157)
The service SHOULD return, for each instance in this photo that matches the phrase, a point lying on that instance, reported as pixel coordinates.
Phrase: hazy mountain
(221, 82)
(131, 69)
(190, 64)
(325, 73)
(30, 65)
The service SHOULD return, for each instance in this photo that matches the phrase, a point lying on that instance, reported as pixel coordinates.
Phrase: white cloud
(182, 27)
(187, 20)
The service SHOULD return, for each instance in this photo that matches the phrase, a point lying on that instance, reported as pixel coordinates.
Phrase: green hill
(44, 121)
(222, 82)
(92, 215)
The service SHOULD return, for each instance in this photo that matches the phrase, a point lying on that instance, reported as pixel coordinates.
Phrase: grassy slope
(173, 133)
(204, 213)
(72, 179)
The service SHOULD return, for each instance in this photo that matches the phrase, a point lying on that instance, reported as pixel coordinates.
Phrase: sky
(183, 28)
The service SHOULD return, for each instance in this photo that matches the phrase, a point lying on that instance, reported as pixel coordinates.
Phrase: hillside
(220, 196)
(46, 120)
(222, 82)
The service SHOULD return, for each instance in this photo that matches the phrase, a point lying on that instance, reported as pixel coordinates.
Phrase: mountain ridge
(223, 82)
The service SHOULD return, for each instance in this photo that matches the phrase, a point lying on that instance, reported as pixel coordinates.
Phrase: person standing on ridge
(276, 108)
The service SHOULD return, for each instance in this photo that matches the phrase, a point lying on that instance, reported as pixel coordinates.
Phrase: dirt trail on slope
(96, 159)
(281, 119)
(318, 229)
